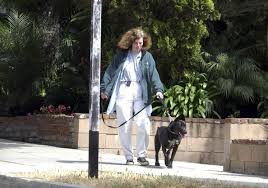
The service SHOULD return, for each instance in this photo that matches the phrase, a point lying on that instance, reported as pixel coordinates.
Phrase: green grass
(129, 180)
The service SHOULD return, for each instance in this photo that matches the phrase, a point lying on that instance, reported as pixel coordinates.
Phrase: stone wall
(204, 142)
(55, 130)
(249, 156)
(208, 141)
(245, 145)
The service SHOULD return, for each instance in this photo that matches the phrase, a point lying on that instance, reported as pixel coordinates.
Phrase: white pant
(129, 100)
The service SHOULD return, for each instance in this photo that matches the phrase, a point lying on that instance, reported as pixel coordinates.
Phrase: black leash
(167, 110)
(170, 119)
(114, 127)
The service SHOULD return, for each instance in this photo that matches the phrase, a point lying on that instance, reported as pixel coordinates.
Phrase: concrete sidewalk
(24, 157)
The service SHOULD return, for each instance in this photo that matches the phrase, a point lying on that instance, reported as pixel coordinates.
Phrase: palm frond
(245, 92)
(18, 21)
(225, 86)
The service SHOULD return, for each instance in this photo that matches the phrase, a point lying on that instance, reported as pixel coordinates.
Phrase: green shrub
(189, 97)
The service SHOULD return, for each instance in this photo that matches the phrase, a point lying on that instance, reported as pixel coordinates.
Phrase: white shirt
(132, 63)
(131, 70)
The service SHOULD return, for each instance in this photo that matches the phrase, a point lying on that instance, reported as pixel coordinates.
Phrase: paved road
(25, 157)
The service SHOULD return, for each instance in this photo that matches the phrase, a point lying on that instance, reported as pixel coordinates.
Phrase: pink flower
(51, 108)
(61, 108)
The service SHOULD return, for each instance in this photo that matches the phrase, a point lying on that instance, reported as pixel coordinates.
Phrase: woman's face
(137, 45)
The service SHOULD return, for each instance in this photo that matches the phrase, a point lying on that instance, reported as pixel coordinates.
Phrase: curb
(15, 182)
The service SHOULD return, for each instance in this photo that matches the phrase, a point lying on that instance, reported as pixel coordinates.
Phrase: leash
(167, 110)
(170, 119)
(114, 127)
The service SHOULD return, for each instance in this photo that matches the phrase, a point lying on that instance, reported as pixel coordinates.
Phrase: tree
(237, 81)
(176, 27)
(20, 59)
(65, 72)
(241, 34)
(242, 29)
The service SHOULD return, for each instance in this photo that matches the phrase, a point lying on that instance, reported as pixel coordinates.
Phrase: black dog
(169, 138)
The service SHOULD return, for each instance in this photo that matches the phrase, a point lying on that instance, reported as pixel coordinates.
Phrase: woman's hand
(104, 96)
(159, 95)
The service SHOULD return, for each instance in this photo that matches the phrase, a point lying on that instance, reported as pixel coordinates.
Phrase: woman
(130, 81)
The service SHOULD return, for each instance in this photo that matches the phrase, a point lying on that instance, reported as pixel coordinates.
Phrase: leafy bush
(237, 82)
(189, 97)
(263, 108)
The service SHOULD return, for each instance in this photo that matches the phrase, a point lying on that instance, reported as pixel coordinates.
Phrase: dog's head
(178, 126)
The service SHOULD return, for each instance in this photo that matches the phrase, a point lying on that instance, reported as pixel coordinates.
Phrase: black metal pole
(94, 88)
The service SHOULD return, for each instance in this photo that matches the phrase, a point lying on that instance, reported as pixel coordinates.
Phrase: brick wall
(249, 156)
(204, 142)
(208, 141)
(242, 129)
(55, 130)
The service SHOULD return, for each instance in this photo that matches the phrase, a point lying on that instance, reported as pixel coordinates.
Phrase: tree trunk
(266, 64)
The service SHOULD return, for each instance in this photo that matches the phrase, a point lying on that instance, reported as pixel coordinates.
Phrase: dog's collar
(174, 142)
(172, 132)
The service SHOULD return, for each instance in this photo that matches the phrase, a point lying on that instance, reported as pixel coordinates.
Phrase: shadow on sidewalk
(14, 144)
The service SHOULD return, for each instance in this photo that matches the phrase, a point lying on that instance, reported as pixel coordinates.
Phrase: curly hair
(131, 35)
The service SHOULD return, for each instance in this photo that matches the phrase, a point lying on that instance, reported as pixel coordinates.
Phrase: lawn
(123, 180)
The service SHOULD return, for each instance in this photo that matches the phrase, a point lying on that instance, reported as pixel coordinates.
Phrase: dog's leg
(166, 155)
(157, 147)
(172, 156)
